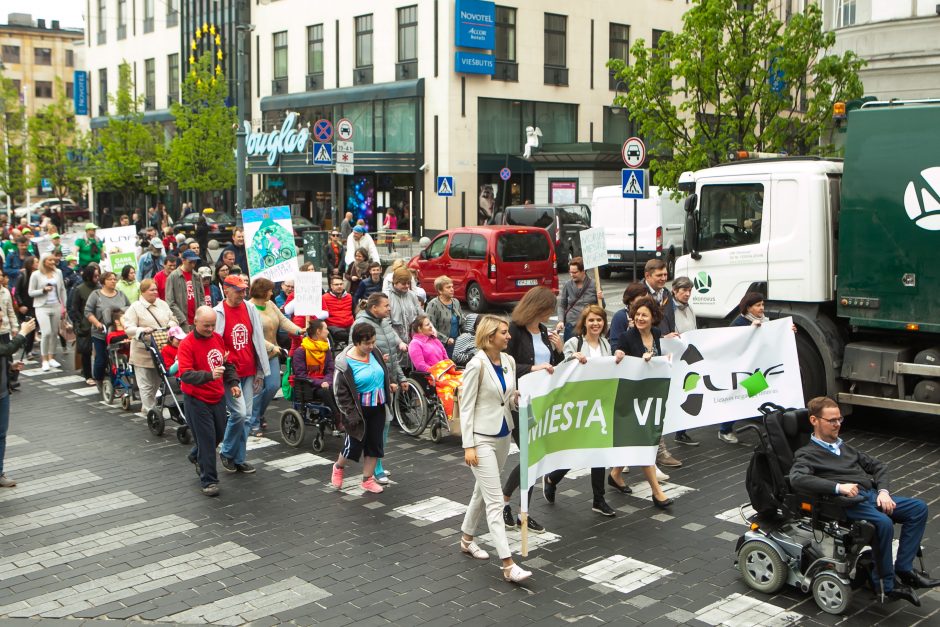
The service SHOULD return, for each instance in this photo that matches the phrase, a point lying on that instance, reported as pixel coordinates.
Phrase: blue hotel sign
(476, 24)
(474, 63)
(80, 92)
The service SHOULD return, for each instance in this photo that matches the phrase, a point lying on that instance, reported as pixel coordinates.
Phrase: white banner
(725, 374)
(308, 294)
(117, 241)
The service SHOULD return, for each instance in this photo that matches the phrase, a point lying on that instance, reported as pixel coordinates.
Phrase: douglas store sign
(281, 141)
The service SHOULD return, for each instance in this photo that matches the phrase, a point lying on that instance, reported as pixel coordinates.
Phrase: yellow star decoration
(193, 44)
(199, 83)
(212, 29)
(218, 40)
(192, 60)
(213, 80)
(219, 54)
(198, 33)
(218, 69)
(205, 26)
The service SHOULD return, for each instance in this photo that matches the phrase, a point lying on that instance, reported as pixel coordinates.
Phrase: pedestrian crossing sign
(633, 183)
(445, 186)
(323, 154)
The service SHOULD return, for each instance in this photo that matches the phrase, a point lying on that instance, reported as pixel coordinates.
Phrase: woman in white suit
(487, 397)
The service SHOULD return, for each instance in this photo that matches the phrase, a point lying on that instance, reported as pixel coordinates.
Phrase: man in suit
(829, 466)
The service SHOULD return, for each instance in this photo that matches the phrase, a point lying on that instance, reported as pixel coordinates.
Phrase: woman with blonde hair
(486, 419)
(47, 289)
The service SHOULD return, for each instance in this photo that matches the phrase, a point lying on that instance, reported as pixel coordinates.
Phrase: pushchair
(119, 381)
(802, 540)
(167, 402)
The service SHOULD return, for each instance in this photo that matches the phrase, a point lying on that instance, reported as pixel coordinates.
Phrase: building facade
(427, 88)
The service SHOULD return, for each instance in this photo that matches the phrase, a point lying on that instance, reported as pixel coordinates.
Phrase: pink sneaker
(337, 478)
(371, 485)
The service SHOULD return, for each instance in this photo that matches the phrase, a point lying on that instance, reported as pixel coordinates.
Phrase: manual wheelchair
(418, 407)
(307, 411)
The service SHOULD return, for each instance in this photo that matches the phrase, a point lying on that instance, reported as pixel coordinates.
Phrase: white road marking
(622, 573)
(87, 391)
(255, 443)
(31, 460)
(297, 462)
(738, 610)
(434, 509)
(735, 515)
(49, 484)
(13, 440)
(642, 490)
(66, 380)
(68, 511)
(514, 537)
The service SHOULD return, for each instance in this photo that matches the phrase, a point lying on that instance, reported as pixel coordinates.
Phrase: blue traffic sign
(445, 186)
(505, 174)
(323, 154)
(323, 130)
(633, 183)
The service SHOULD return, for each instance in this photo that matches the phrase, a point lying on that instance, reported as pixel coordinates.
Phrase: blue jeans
(911, 514)
(236, 431)
(569, 332)
(261, 400)
(101, 359)
(4, 425)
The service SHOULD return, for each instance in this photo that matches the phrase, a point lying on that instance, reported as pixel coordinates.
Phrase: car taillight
(659, 239)
(491, 267)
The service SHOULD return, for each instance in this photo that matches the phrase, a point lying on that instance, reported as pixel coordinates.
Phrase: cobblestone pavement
(107, 523)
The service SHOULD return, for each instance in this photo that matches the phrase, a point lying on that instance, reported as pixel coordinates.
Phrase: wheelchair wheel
(762, 568)
(292, 427)
(832, 595)
(126, 402)
(437, 433)
(107, 391)
(155, 422)
(411, 409)
(183, 435)
(318, 441)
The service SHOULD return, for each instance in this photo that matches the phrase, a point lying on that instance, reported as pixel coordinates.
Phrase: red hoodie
(340, 309)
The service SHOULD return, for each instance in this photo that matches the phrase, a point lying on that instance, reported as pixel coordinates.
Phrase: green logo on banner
(754, 384)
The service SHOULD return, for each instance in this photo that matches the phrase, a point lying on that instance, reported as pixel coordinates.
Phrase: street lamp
(620, 90)
(240, 133)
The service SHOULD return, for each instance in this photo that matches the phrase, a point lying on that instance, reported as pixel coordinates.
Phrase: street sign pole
(335, 209)
(446, 212)
(634, 239)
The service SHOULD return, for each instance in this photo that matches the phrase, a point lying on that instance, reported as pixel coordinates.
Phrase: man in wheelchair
(826, 465)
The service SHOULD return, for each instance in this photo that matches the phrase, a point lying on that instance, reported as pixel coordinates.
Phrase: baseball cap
(360, 229)
(237, 281)
(205, 272)
(72, 257)
(156, 243)
(56, 236)
(190, 256)
(176, 332)
(91, 226)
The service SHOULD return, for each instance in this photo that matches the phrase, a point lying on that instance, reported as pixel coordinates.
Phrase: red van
(489, 264)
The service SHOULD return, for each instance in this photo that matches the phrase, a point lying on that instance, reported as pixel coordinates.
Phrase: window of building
(69, 90)
(172, 12)
(845, 13)
(505, 34)
(69, 58)
(315, 49)
(102, 91)
(148, 16)
(121, 19)
(730, 215)
(619, 47)
(102, 21)
(400, 125)
(44, 89)
(617, 127)
(11, 54)
(408, 33)
(556, 36)
(150, 84)
(501, 128)
(42, 56)
(173, 78)
(364, 41)
(280, 55)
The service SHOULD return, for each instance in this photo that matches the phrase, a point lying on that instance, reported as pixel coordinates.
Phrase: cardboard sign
(594, 247)
(308, 294)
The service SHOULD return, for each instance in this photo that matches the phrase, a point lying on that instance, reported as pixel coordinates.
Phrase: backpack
(760, 485)
(75, 317)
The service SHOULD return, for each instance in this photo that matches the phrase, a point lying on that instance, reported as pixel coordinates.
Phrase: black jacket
(817, 471)
(632, 344)
(668, 324)
(523, 351)
(333, 264)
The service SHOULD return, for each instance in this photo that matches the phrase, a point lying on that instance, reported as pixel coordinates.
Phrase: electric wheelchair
(800, 540)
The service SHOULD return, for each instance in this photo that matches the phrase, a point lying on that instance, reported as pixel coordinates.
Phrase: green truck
(849, 248)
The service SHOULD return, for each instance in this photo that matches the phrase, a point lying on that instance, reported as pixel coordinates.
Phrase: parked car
(302, 225)
(221, 226)
(73, 213)
(39, 206)
(489, 264)
(563, 223)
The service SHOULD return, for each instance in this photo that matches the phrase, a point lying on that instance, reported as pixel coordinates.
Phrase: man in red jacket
(204, 372)
(338, 303)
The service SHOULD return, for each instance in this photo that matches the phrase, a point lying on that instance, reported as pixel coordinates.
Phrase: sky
(68, 12)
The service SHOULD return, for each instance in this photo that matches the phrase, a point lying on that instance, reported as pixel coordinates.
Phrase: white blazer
(483, 405)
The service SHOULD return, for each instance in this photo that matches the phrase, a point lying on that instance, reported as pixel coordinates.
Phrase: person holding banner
(642, 341)
(587, 342)
(488, 402)
(533, 347)
(89, 248)
(577, 294)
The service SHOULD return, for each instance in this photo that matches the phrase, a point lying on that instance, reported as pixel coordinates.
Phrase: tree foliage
(12, 141)
(125, 144)
(201, 156)
(735, 78)
(56, 146)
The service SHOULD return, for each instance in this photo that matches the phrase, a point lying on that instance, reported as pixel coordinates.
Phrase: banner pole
(524, 475)
(597, 283)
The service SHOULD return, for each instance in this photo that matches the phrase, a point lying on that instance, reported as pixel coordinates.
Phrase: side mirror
(691, 240)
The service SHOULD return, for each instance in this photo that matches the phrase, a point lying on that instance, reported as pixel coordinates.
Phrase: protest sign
(120, 248)
(269, 243)
(308, 294)
(594, 247)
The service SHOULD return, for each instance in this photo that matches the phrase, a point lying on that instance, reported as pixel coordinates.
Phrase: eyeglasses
(833, 421)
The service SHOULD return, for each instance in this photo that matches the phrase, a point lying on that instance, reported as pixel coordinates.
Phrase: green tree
(56, 146)
(12, 141)
(125, 144)
(201, 157)
(735, 78)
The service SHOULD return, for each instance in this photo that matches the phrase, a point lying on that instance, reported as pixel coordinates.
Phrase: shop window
(400, 125)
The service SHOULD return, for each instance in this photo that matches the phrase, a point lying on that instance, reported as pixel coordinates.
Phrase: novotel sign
(280, 141)
(476, 24)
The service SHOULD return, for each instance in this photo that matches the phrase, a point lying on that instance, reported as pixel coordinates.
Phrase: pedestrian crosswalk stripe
(238, 609)
(89, 545)
(642, 490)
(89, 391)
(256, 443)
(434, 509)
(738, 610)
(297, 462)
(58, 514)
(13, 440)
(39, 372)
(31, 460)
(737, 515)
(623, 574)
(66, 380)
(49, 484)
(104, 590)
(514, 537)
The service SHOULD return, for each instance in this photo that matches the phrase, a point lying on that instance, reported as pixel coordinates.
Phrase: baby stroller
(805, 541)
(166, 400)
(307, 411)
(119, 381)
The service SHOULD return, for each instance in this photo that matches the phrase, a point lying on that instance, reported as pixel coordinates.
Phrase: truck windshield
(730, 215)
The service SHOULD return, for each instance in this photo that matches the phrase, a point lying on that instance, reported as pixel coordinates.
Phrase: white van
(661, 220)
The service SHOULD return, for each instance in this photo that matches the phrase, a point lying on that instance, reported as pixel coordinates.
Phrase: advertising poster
(269, 243)
(120, 248)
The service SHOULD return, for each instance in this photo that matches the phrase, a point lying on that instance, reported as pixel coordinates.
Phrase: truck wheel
(812, 369)
(671, 267)
(605, 272)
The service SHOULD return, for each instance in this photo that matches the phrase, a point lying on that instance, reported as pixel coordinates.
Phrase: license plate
(614, 256)
(526, 282)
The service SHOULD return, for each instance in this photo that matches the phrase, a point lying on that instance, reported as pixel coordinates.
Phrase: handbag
(159, 334)
(83, 344)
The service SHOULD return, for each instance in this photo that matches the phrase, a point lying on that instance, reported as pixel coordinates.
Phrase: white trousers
(48, 320)
(148, 382)
(488, 492)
